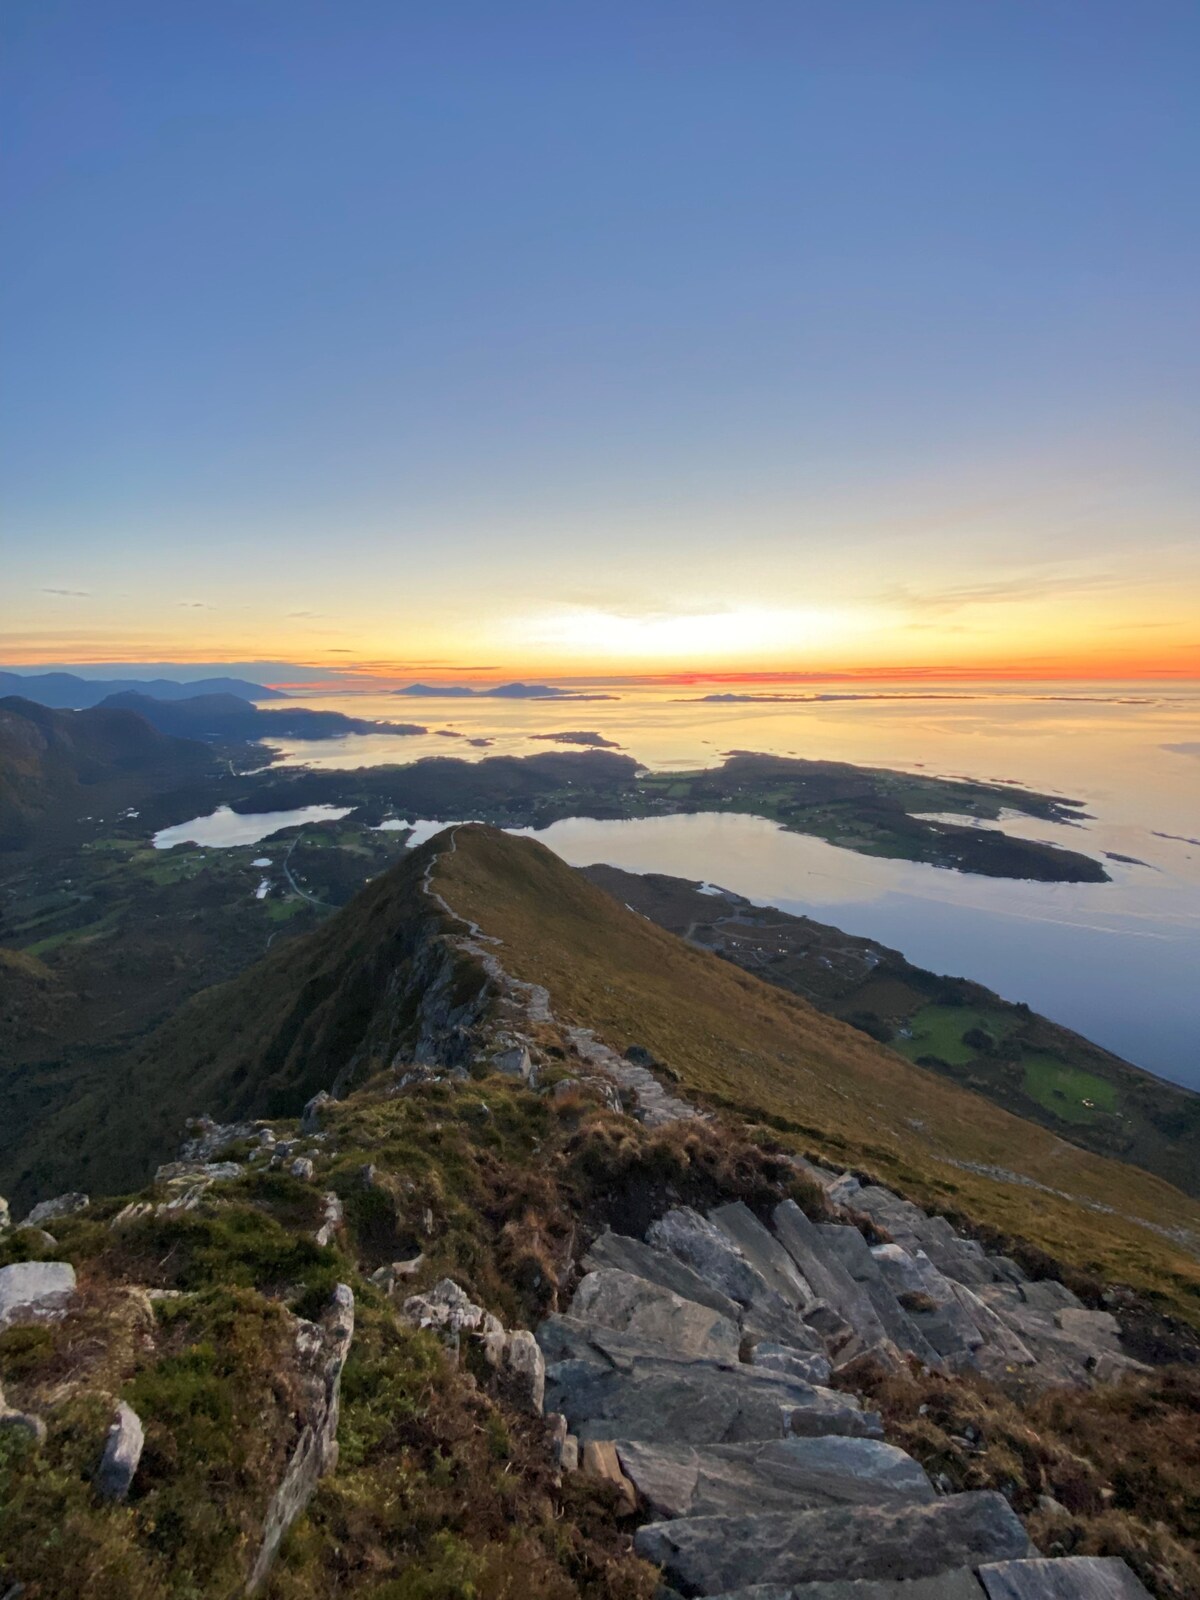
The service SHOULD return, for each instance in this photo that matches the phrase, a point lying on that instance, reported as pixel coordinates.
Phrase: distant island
(66, 691)
(503, 691)
(596, 740)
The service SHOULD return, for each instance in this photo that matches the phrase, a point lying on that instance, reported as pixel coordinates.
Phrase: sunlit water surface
(1120, 962)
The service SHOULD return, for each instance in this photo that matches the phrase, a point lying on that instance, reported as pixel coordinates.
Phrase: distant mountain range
(64, 691)
(503, 691)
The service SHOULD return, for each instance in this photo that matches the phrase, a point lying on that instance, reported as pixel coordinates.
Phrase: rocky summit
(489, 1287)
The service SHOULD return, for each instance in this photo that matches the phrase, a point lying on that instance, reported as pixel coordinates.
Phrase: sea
(1119, 962)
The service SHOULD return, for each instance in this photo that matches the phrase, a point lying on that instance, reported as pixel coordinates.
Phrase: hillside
(228, 716)
(333, 1005)
(959, 1028)
(379, 978)
(771, 1056)
(48, 757)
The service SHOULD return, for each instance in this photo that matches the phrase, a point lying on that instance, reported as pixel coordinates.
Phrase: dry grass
(771, 1057)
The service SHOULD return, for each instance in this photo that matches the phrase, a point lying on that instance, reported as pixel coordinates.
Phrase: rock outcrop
(322, 1350)
(34, 1291)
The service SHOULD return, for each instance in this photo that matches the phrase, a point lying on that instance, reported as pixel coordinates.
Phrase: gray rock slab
(686, 1401)
(795, 1363)
(657, 1266)
(62, 1205)
(809, 1248)
(961, 1585)
(32, 1290)
(712, 1555)
(630, 1304)
(782, 1474)
(708, 1250)
(852, 1250)
(1069, 1578)
(765, 1253)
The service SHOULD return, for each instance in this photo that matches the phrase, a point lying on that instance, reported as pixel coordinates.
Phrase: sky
(717, 336)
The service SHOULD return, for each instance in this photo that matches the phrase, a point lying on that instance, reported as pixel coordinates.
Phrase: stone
(706, 1555)
(619, 1300)
(523, 1371)
(331, 1219)
(409, 1268)
(310, 1117)
(513, 1063)
(448, 1310)
(793, 1363)
(302, 1168)
(322, 1350)
(959, 1585)
(703, 1246)
(568, 1457)
(5, 1215)
(197, 1171)
(778, 1474)
(40, 1237)
(63, 1205)
(34, 1291)
(810, 1250)
(122, 1452)
(765, 1253)
(600, 1460)
(1071, 1578)
(658, 1266)
(851, 1249)
(637, 1396)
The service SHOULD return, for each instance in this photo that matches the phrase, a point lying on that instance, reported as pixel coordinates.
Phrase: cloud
(1022, 586)
(196, 605)
(306, 613)
(74, 594)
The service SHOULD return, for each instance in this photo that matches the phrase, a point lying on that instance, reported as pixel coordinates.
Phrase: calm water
(1120, 962)
(223, 828)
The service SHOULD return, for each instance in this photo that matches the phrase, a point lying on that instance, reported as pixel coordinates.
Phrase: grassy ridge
(746, 1045)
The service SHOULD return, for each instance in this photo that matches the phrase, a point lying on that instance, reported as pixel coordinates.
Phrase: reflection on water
(224, 828)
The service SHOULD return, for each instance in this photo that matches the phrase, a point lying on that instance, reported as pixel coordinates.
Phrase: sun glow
(739, 633)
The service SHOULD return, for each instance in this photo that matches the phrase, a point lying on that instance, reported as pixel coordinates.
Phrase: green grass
(1063, 1089)
(938, 1031)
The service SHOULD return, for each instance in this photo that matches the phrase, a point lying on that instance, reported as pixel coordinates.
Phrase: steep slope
(960, 1029)
(47, 757)
(329, 1007)
(773, 1057)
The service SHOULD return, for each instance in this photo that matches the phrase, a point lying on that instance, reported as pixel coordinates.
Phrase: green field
(1066, 1090)
(938, 1031)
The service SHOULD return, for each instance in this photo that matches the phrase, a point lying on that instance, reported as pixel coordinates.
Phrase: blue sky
(403, 328)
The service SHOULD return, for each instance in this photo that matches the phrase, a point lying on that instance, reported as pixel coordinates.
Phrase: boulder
(310, 1119)
(302, 1168)
(5, 1215)
(779, 1474)
(600, 1460)
(658, 1266)
(122, 1452)
(960, 1585)
(1072, 1578)
(63, 1205)
(34, 1291)
(523, 1371)
(765, 1253)
(618, 1300)
(706, 1555)
(793, 1363)
(514, 1062)
(25, 1424)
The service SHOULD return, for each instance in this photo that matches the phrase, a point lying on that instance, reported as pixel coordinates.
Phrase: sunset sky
(660, 336)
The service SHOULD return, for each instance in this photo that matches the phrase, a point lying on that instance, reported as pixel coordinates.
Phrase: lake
(1119, 962)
